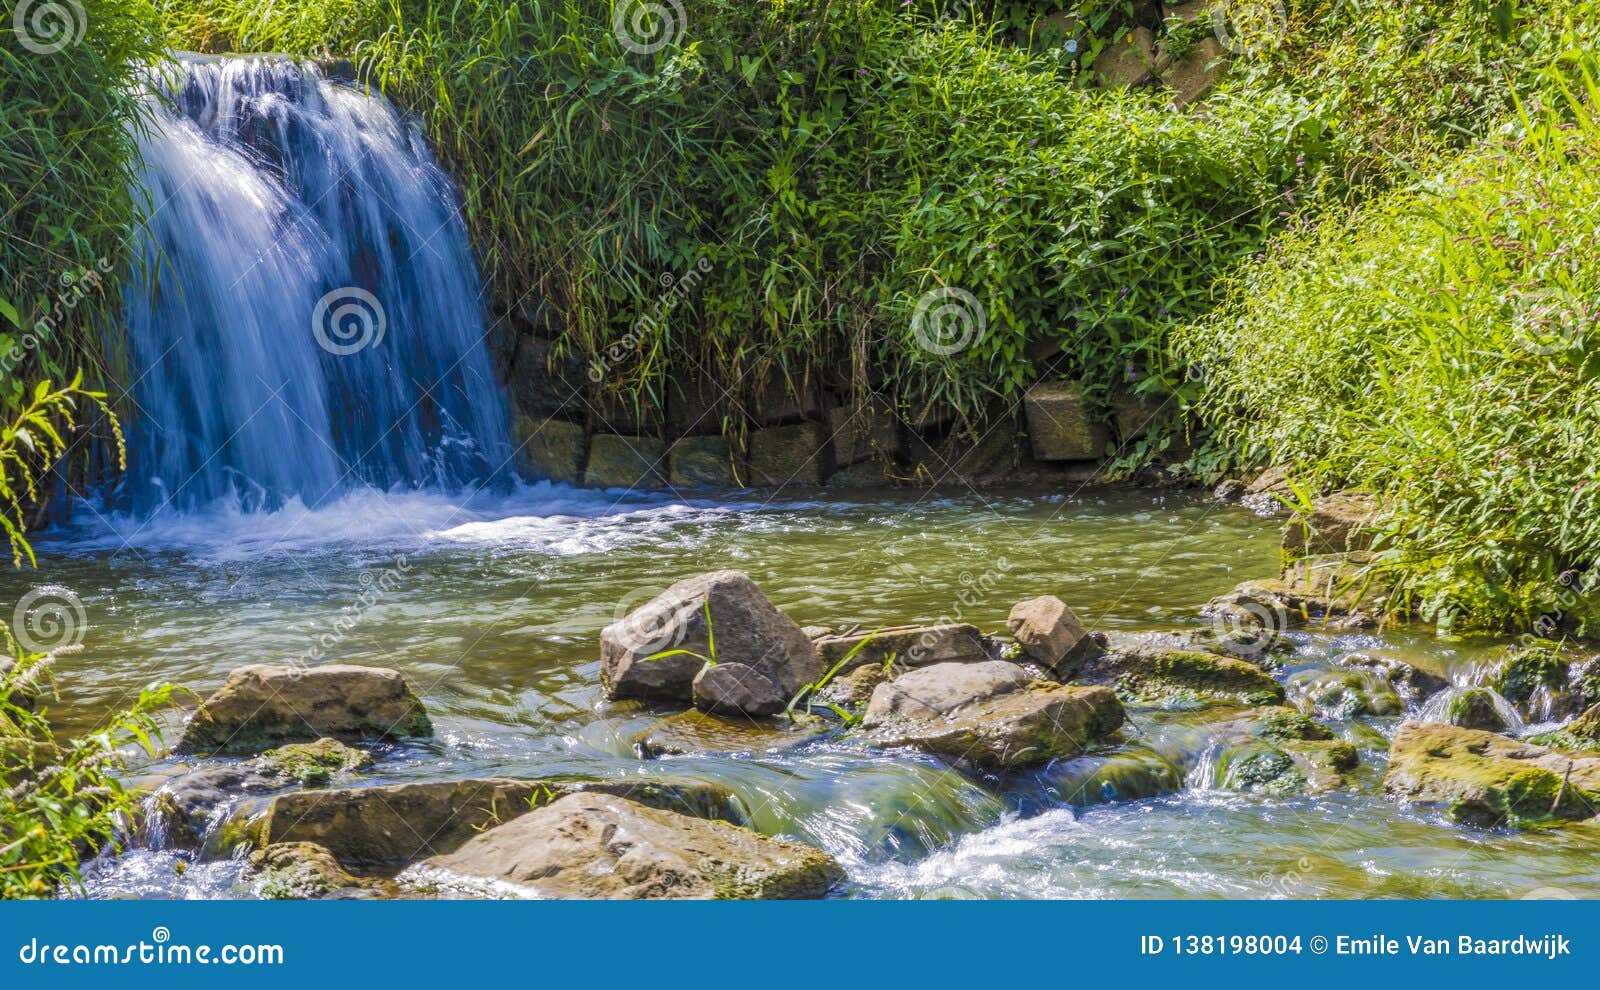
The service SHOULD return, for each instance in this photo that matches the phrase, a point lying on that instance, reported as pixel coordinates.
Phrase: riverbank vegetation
(1349, 239)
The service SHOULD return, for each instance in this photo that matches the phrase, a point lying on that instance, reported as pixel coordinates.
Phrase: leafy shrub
(1435, 348)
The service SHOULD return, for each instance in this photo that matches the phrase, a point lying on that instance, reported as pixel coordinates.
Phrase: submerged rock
(1414, 683)
(1181, 678)
(747, 629)
(403, 822)
(1341, 695)
(267, 705)
(1488, 780)
(991, 715)
(602, 846)
(698, 732)
(298, 871)
(1049, 632)
(190, 806)
(736, 689)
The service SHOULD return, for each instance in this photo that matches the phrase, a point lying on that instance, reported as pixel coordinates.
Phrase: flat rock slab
(697, 732)
(988, 716)
(907, 646)
(265, 705)
(1167, 677)
(404, 822)
(1490, 780)
(602, 846)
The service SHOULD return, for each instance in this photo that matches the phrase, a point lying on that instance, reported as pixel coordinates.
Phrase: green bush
(1435, 348)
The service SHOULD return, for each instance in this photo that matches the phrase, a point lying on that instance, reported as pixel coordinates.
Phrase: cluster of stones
(1469, 764)
(305, 729)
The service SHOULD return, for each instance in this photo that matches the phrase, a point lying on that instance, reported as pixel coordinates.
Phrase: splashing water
(309, 319)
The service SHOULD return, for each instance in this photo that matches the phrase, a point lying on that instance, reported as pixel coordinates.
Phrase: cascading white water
(312, 319)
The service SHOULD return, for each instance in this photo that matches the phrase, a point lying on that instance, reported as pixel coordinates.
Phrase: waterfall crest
(311, 320)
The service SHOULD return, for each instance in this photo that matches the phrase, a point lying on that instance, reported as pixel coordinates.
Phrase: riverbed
(491, 607)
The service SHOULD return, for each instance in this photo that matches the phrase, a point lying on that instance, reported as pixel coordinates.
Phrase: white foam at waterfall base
(306, 318)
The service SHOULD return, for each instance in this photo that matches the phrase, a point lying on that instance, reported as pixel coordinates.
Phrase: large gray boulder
(736, 689)
(267, 705)
(992, 715)
(747, 629)
(601, 846)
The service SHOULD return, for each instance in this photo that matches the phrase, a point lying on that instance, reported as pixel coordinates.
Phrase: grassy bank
(1436, 348)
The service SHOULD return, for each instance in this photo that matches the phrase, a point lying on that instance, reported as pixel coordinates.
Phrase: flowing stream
(319, 475)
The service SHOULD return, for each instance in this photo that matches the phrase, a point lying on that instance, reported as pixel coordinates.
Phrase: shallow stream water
(492, 610)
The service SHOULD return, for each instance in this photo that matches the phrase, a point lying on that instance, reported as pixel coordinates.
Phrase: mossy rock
(1488, 780)
(1259, 768)
(1526, 671)
(1285, 724)
(1178, 679)
(1343, 695)
(298, 871)
(313, 764)
(1475, 708)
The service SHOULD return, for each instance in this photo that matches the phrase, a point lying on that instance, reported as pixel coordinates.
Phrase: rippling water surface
(492, 610)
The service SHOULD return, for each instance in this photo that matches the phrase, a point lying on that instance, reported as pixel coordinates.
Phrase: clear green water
(492, 610)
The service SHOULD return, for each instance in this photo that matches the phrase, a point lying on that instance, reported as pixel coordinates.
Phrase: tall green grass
(1438, 348)
(66, 165)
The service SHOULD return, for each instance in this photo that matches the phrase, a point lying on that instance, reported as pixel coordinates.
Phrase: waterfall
(306, 317)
